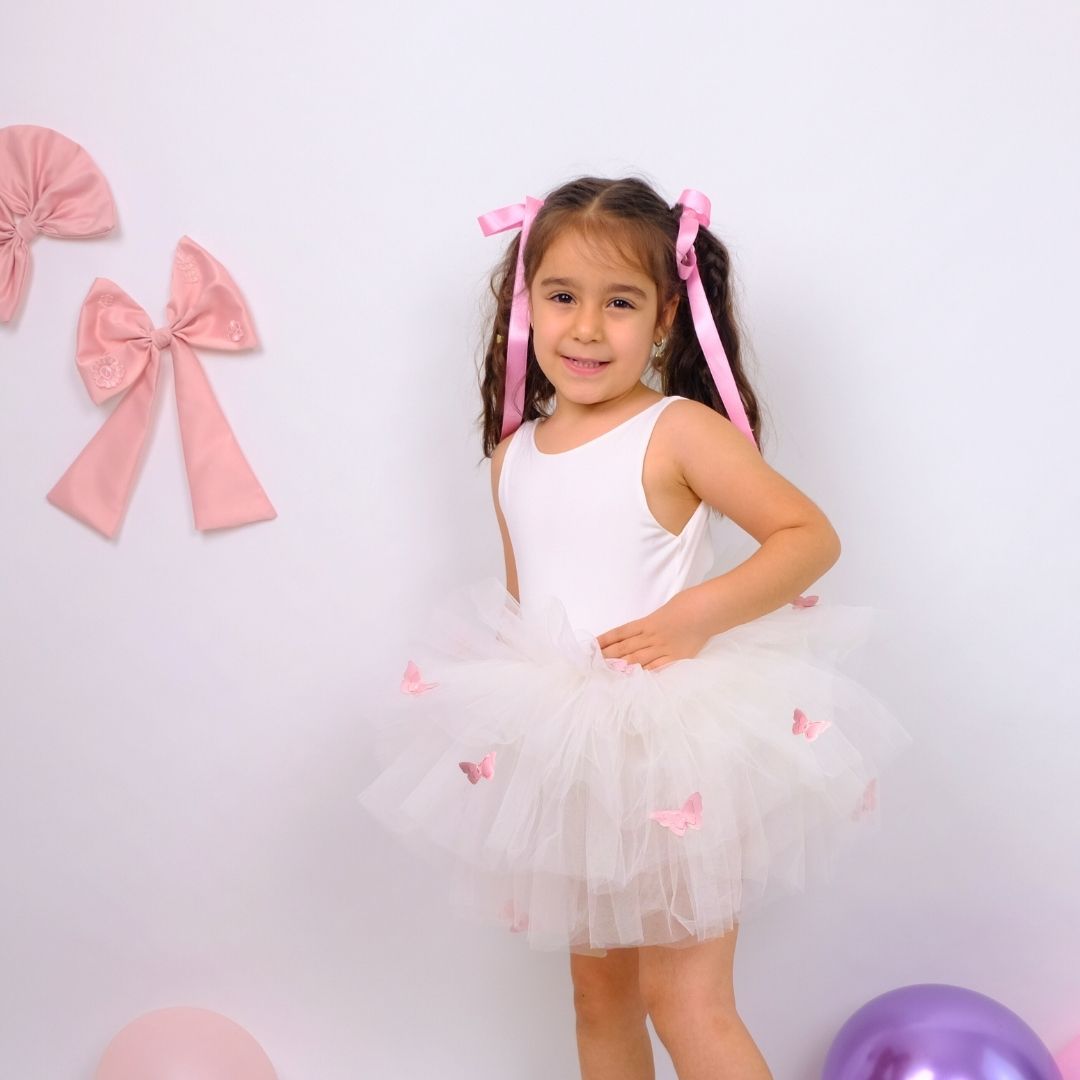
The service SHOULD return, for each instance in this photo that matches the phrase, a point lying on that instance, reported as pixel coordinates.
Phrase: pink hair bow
(696, 210)
(518, 215)
(48, 184)
(119, 349)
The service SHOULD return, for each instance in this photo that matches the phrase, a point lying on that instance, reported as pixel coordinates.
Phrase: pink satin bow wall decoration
(50, 185)
(119, 352)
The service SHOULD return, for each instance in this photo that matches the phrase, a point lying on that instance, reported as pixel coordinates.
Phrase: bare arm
(497, 456)
(798, 543)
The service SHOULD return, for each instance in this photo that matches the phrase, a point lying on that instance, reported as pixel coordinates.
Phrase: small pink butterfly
(617, 663)
(688, 816)
(411, 683)
(517, 922)
(484, 767)
(811, 728)
(868, 803)
(804, 601)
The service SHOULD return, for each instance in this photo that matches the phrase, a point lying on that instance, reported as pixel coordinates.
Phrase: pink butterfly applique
(411, 682)
(810, 728)
(688, 816)
(804, 601)
(867, 804)
(475, 770)
(617, 663)
(517, 922)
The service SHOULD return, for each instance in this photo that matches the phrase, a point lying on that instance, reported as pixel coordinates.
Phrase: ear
(667, 316)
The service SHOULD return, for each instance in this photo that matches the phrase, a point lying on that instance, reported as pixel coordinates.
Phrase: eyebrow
(572, 284)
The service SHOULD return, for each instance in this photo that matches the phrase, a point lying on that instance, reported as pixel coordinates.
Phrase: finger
(622, 649)
(618, 633)
(650, 657)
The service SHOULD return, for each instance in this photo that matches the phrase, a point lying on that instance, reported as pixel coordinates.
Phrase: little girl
(616, 754)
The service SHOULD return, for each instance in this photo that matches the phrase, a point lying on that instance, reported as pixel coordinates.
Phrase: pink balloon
(184, 1044)
(1068, 1061)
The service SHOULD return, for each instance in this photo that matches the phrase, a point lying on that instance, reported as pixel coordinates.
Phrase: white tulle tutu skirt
(588, 805)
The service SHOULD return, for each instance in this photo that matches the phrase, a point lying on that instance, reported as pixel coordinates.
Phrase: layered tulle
(588, 805)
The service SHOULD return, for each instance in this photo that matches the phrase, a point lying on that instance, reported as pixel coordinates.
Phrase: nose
(587, 324)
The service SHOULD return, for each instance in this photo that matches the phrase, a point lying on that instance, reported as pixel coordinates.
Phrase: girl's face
(589, 310)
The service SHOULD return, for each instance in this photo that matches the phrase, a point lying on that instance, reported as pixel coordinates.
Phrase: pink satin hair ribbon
(48, 184)
(695, 213)
(696, 210)
(517, 216)
(119, 349)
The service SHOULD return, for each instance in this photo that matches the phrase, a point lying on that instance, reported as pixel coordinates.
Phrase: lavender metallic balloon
(933, 1031)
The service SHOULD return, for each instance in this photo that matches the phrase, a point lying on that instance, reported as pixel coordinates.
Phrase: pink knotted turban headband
(48, 184)
(119, 349)
(695, 213)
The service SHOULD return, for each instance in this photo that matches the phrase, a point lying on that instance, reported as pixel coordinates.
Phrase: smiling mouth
(591, 365)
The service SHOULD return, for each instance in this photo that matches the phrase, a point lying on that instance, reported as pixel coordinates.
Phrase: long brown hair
(630, 216)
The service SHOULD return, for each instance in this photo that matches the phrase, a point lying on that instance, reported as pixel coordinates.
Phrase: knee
(675, 1009)
(601, 999)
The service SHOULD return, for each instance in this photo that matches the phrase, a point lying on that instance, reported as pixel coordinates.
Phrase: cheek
(545, 326)
(631, 335)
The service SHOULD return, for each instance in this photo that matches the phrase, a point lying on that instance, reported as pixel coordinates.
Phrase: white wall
(182, 713)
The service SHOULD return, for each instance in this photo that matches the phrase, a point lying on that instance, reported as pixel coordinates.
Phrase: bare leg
(691, 999)
(613, 1041)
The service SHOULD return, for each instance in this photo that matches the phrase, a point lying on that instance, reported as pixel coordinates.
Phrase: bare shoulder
(687, 413)
(691, 432)
(723, 467)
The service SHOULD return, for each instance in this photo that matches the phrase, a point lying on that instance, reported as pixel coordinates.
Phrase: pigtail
(492, 378)
(682, 365)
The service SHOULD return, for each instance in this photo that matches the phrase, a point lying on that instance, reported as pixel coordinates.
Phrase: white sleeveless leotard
(581, 528)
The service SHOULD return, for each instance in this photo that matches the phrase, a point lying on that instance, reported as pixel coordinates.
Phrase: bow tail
(14, 262)
(715, 356)
(224, 490)
(97, 486)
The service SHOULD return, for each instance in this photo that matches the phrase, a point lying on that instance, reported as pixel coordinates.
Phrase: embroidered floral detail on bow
(804, 601)
(475, 770)
(411, 683)
(688, 816)
(188, 267)
(234, 331)
(803, 725)
(107, 371)
(106, 299)
(867, 804)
